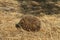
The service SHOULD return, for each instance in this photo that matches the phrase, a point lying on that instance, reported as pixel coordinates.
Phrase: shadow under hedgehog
(29, 23)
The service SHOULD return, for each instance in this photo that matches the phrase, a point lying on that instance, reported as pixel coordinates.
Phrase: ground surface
(10, 15)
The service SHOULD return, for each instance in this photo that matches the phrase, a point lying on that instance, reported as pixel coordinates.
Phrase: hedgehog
(29, 23)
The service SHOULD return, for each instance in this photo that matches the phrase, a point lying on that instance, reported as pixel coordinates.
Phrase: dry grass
(50, 25)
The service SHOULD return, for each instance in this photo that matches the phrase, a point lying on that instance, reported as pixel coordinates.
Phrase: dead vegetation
(36, 7)
(50, 24)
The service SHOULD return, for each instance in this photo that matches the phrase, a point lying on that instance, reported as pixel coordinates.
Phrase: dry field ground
(10, 16)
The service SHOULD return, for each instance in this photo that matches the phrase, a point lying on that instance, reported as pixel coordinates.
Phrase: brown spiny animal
(29, 23)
